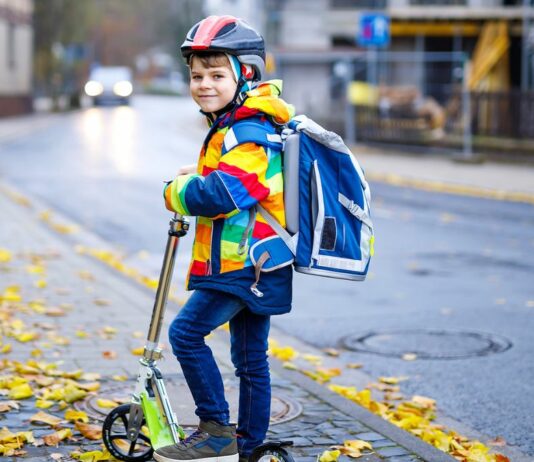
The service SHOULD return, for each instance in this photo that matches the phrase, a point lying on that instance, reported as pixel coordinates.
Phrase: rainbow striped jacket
(233, 176)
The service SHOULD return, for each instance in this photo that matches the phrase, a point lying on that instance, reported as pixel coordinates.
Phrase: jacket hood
(265, 98)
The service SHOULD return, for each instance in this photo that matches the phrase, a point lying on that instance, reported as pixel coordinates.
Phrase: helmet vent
(227, 28)
(193, 31)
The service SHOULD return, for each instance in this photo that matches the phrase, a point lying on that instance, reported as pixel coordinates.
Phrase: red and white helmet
(227, 34)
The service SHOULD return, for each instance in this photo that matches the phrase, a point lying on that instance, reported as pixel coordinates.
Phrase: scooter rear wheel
(114, 434)
(272, 452)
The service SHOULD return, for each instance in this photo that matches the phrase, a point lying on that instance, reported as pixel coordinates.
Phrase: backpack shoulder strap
(278, 229)
(252, 131)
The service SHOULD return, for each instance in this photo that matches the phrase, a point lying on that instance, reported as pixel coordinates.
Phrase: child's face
(212, 88)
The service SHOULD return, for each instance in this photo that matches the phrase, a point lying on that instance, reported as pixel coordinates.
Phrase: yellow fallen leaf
(38, 306)
(358, 444)
(312, 359)
(54, 438)
(392, 380)
(138, 351)
(35, 269)
(329, 456)
(44, 381)
(331, 352)
(21, 392)
(45, 215)
(86, 275)
(43, 417)
(91, 376)
(91, 456)
(91, 386)
(40, 284)
(72, 416)
(36, 353)
(6, 406)
(6, 348)
(120, 378)
(101, 302)
(44, 403)
(54, 312)
(12, 294)
(138, 334)
(289, 365)
(109, 330)
(5, 255)
(81, 334)
(106, 403)
(27, 336)
(72, 393)
(283, 353)
(89, 431)
(354, 366)
(424, 401)
(64, 229)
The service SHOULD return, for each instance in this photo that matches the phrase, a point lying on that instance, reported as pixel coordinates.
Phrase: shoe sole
(231, 458)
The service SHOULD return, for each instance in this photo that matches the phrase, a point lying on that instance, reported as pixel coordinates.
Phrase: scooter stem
(178, 228)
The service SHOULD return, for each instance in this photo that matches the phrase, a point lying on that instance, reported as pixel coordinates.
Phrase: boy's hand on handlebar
(187, 169)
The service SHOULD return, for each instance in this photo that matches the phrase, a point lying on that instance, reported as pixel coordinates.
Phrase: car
(110, 84)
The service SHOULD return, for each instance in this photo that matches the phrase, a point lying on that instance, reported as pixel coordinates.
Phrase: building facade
(16, 47)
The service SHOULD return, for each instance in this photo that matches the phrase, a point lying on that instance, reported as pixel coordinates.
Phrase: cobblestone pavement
(89, 317)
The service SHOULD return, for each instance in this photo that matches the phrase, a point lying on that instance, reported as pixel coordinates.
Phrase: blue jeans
(205, 311)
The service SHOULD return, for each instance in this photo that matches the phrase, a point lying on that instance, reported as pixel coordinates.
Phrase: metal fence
(414, 99)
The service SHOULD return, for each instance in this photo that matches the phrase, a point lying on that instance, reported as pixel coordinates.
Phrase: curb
(451, 188)
(413, 444)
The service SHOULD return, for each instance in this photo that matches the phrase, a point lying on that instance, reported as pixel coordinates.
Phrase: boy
(233, 176)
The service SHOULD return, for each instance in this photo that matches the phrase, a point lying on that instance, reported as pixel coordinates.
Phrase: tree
(70, 35)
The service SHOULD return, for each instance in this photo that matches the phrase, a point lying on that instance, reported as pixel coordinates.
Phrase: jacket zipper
(208, 263)
(244, 238)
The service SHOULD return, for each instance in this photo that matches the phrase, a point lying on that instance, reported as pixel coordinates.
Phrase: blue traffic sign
(373, 30)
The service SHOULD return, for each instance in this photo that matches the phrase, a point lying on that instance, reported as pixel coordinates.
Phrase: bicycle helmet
(227, 34)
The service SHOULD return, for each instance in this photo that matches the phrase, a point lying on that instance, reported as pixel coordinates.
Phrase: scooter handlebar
(179, 225)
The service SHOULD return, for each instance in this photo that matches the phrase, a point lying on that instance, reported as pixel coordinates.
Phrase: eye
(196, 77)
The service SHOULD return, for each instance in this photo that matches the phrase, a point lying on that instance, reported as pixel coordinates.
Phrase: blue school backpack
(329, 231)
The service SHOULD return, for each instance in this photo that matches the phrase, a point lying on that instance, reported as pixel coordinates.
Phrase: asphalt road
(451, 282)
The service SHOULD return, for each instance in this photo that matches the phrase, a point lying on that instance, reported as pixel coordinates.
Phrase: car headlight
(93, 88)
(123, 88)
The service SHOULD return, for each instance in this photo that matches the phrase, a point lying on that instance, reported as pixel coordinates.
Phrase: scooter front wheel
(272, 452)
(114, 434)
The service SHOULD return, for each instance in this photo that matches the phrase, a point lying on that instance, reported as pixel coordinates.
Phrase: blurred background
(441, 74)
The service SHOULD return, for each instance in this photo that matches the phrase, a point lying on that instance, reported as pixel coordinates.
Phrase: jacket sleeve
(237, 184)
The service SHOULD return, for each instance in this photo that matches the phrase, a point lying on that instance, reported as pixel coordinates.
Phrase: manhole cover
(283, 408)
(427, 344)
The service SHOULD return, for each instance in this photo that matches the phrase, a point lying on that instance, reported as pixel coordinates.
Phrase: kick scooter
(132, 431)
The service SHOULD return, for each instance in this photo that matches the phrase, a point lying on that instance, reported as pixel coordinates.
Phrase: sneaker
(211, 442)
